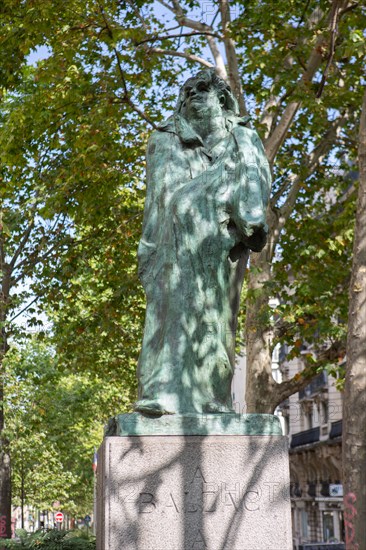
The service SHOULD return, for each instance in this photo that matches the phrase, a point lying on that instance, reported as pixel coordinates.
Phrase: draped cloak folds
(204, 210)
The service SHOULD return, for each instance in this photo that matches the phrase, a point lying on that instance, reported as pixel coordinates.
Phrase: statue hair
(230, 105)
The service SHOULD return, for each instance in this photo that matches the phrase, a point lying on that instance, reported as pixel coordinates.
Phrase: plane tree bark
(354, 410)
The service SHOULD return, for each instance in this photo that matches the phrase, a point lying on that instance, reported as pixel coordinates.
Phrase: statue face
(201, 99)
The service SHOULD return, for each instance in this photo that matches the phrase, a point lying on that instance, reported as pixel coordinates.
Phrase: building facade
(313, 423)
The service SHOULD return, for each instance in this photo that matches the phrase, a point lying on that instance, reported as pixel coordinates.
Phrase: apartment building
(313, 424)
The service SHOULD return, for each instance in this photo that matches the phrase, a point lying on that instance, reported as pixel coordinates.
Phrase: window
(328, 526)
(309, 420)
(324, 412)
(304, 525)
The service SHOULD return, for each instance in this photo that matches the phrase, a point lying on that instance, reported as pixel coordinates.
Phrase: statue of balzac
(208, 183)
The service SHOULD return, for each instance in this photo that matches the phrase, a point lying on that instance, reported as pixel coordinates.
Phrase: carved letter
(172, 503)
(146, 503)
(209, 497)
(199, 543)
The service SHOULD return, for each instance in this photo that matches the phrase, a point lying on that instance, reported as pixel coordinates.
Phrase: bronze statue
(208, 183)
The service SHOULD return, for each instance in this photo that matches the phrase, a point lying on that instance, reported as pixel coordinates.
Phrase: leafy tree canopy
(54, 422)
(73, 134)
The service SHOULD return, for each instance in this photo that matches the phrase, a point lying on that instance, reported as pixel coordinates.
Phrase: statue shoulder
(159, 138)
(244, 121)
(167, 125)
(242, 130)
(241, 124)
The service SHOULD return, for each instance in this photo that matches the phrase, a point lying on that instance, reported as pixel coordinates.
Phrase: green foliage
(78, 125)
(51, 540)
(54, 422)
(73, 132)
(68, 137)
(313, 266)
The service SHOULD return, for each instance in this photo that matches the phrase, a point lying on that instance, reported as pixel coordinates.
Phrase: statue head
(203, 90)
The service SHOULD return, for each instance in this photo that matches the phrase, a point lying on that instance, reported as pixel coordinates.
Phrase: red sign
(59, 517)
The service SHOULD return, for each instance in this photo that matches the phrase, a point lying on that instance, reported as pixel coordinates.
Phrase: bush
(50, 540)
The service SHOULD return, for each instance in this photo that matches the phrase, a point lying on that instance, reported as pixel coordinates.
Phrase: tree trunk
(22, 492)
(354, 413)
(260, 383)
(5, 472)
(5, 492)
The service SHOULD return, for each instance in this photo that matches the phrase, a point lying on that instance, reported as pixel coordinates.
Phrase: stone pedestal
(178, 492)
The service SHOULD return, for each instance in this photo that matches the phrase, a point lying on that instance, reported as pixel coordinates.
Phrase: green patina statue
(208, 184)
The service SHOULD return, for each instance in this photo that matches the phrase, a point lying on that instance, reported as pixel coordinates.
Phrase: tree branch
(269, 114)
(323, 148)
(298, 382)
(302, 18)
(24, 309)
(27, 262)
(274, 142)
(126, 98)
(4, 292)
(188, 56)
(184, 21)
(219, 61)
(277, 217)
(352, 6)
(22, 244)
(333, 36)
(287, 184)
(169, 36)
(347, 194)
(273, 104)
(166, 5)
(232, 59)
(2, 249)
(138, 14)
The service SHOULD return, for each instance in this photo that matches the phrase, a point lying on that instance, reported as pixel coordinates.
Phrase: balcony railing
(336, 429)
(317, 384)
(306, 437)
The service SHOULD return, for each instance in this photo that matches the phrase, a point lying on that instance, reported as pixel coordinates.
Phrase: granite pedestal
(178, 492)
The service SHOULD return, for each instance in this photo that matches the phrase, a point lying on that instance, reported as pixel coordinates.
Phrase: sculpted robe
(204, 210)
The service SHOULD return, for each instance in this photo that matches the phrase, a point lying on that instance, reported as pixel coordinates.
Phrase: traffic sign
(87, 519)
(59, 517)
